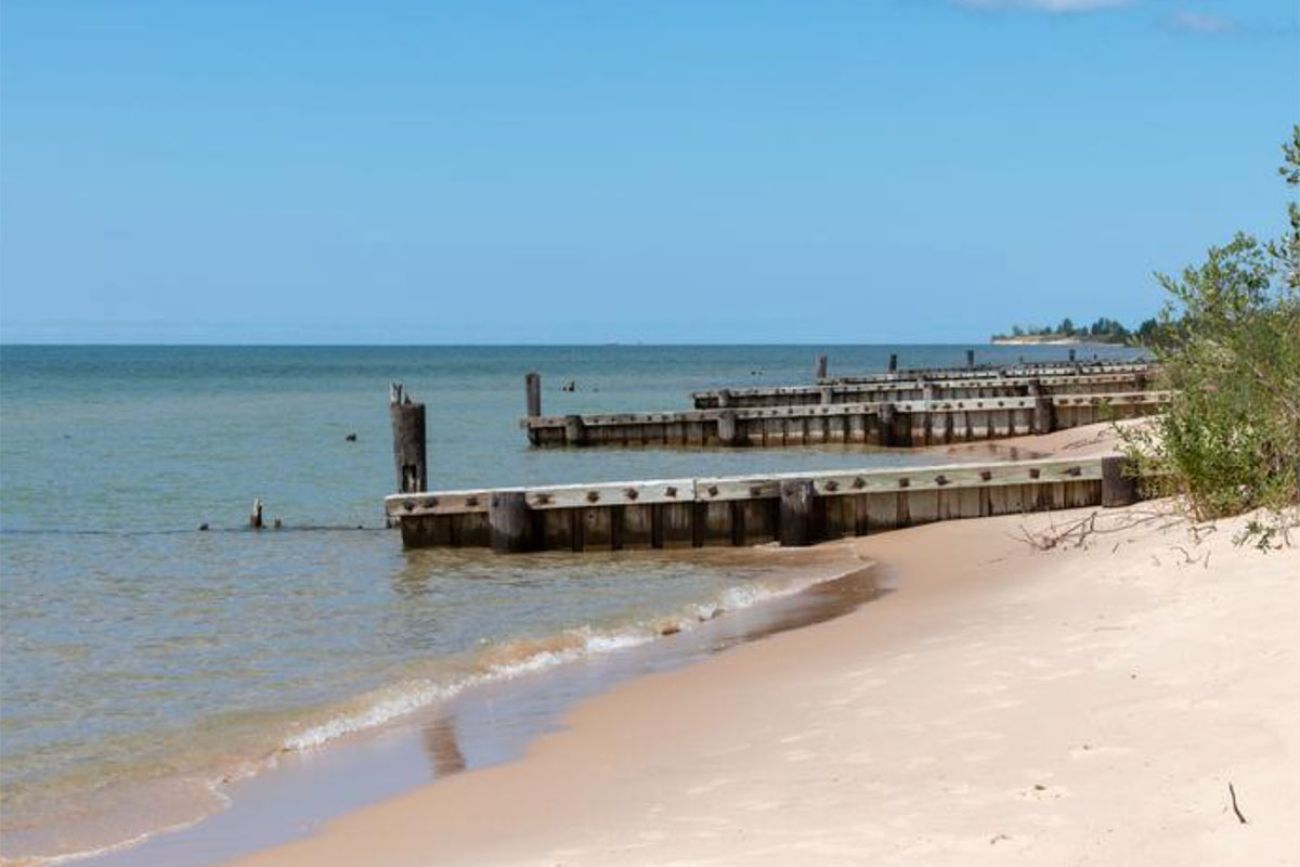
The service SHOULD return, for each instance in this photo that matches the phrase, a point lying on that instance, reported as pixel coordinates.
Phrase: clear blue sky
(658, 171)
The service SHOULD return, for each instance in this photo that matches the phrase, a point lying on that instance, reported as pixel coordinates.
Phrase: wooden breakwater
(890, 409)
(793, 509)
(895, 423)
(972, 372)
(925, 387)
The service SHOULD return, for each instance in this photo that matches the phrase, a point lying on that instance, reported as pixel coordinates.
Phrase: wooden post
(1044, 411)
(885, 418)
(724, 397)
(1071, 355)
(533, 389)
(1118, 485)
(727, 427)
(796, 516)
(827, 395)
(408, 441)
(575, 430)
(970, 358)
(255, 516)
(927, 391)
(510, 522)
(822, 363)
(893, 362)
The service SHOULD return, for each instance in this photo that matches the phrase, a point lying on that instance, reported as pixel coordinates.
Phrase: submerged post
(1118, 485)
(796, 517)
(408, 441)
(533, 390)
(822, 366)
(510, 522)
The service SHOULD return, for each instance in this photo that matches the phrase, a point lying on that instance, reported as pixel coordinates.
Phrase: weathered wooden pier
(912, 408)
(793, 508)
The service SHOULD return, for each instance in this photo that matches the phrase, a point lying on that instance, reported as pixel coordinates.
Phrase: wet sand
(1086, 704)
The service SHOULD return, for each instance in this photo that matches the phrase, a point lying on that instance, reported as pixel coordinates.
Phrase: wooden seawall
(891, 423)
(794, 509)
(921, 388)
(1028, 370)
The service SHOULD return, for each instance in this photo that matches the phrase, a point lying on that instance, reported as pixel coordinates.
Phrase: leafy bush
(1228, 343)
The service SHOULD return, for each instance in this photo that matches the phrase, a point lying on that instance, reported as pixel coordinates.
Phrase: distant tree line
(1104, 330)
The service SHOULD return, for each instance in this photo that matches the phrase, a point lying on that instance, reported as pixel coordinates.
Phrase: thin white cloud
(1050, 6)
(1197, 22)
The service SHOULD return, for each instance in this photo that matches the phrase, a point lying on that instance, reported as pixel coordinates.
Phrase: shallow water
(143, 657)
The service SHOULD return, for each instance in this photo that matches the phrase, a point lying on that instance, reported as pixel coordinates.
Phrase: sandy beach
(1091, 703)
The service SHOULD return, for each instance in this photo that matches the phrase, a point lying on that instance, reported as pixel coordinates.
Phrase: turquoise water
(143, 659)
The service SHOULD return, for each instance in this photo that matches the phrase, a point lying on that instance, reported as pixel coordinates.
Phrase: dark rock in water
(203, 528)
(277, 524)
(671, 629)
(351, 438)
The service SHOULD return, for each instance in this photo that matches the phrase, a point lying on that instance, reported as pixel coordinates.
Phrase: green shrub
(1229, 346)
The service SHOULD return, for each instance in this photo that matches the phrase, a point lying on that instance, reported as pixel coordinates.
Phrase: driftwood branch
(1233, 792)
(1077, 534)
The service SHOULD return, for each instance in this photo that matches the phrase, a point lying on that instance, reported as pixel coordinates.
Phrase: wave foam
(524, 656)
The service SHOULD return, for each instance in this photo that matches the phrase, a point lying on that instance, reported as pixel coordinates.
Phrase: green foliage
(1228, 342)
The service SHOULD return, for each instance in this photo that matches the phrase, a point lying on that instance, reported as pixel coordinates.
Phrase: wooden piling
(796, 512)
(893, 362)
(822, 366)
(408, 441)
(727, 434)
(533, 390)
(827, 395)
(575, 430)
(1071, 355)
(1044, 410)
(510, 522)
(1118, 485)
(255, 516)
(970, 358)
(886, 419)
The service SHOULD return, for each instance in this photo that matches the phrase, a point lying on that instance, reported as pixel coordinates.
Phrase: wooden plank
(882, 511)
(923, 506)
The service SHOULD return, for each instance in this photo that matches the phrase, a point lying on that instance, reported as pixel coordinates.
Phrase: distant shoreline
(1050, 340)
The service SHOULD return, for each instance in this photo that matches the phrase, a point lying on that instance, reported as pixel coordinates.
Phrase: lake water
(145, 662)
